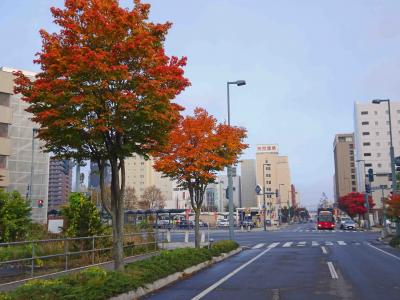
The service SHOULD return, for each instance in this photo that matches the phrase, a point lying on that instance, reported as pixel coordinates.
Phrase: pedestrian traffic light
(40, 203)
(367, 188)
(370, 175)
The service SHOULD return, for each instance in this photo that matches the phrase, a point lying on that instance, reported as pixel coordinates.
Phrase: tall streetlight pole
(392, 159)
(229, 168)
(280, 198)
(264, 193)
(366, 202)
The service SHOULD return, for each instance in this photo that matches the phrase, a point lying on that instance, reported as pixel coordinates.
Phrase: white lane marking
(328, 243)
(258, 246)
(225, 278)
(341, 243)
(332, 270)
(314, 243)
(287, 244)
(301, 244)
(333, 230)
(273, 245)
(383, 251)
(324, 250)
(357, 244)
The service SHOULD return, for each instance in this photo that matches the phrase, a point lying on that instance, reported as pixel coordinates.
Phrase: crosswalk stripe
(341, 243)
(287, 244)
(301, 244)
(273, 245)
(314, 243)
(329, 243)
(258, 246)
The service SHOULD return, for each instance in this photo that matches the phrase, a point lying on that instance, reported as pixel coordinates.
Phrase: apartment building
(27, 164)
(60, 183)
(140, 174)
(345, 179)
(6, 90)
(273, 175)
(372, 142)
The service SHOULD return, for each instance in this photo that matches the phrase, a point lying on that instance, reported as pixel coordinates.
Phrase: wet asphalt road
(297, 262)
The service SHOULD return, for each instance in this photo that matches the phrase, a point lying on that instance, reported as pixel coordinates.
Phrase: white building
(248, 182)
(27, 165)
(371, 130)
(140, 174)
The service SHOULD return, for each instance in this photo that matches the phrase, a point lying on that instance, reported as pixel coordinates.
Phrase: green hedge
(395, 242)
(96, 283)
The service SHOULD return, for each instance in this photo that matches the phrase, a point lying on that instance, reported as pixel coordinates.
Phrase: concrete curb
(151, 287)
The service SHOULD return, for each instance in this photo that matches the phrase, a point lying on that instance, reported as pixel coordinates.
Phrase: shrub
(395, 242)
(96, 283)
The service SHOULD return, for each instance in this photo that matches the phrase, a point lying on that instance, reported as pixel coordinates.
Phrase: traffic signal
(40, 203)
(370, 175)
(397, 163)
(367, 188)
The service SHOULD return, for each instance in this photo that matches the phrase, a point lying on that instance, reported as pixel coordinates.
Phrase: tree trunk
(197, 227)
(101, 165)
(117, 209)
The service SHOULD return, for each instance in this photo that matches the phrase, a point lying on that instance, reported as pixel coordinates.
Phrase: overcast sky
(305, 63)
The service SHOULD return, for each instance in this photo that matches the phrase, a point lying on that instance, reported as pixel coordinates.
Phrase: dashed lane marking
(301, 244)
(332, 270)
(341, 243)
(287, 244)
(324, 250)
(314, 243)
(328, 243)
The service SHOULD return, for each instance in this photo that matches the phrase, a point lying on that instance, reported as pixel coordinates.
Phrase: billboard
(268, 148)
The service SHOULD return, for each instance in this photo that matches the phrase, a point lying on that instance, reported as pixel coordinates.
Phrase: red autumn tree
(354, 204)
(105, 90)
(393, 207)
(198, 148)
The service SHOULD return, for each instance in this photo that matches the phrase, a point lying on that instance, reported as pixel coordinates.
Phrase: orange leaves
(393, 209)
(199, 147)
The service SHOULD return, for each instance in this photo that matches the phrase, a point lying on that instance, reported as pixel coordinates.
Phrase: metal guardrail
(28, 257)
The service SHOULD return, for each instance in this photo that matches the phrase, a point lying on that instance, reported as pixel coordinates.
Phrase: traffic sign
(258, 189)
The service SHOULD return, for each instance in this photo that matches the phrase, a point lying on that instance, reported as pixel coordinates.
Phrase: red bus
(326, 220)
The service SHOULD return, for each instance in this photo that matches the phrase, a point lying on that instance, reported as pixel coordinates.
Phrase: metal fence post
(66, 253)
(93, 250)
(33, 259)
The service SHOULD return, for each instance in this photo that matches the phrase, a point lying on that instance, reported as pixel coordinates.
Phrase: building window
(376, 113)
(364, 112)
(378, 155)
(365, 123)
(351, 152)
(379, 165)
(353, 171)
(4, 99)
(3, 161)
(353, 182)
(365, 133)
(367, 154)
(367, 144)
(352, 165)
(354, 189)
(3, 130)
(368, 165)
(351, 146)
(353, 176)
(378, 144)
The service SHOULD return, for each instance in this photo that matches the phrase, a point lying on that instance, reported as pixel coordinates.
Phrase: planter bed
(139, 278)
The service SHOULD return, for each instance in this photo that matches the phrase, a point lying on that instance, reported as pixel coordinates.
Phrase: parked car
(247, 223)
(223, 223)
(348, 225)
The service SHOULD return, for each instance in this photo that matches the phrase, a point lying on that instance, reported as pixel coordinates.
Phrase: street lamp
(34, 131)
(280, 198)
(392, 160)
(264, 193)
(229, 168)
(366, 203)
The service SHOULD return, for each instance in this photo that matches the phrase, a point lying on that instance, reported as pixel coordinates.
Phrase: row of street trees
(105, 92)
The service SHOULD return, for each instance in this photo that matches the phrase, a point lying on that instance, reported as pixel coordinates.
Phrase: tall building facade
(345, 171)
(94, 177)
(273, 175)
(60, 183)
(6, 90)
(27, 164)
(372, 140)
(140, 174)
(248, 182)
